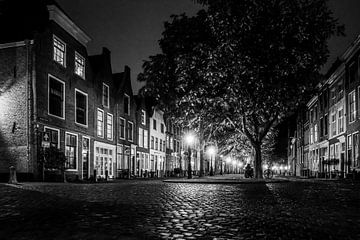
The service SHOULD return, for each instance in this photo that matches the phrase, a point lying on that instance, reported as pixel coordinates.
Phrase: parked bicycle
(268, 173)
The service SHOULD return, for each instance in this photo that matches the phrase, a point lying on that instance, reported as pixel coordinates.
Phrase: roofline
(15, 44)
(58, 16)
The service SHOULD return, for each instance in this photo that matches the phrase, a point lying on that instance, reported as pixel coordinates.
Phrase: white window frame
(103, 131)
(132, 132)
(352, 92)
(54, 129)
(129, 109)
(84, 65)
(141, 137)
(53, 45)
(108, 95)
(87, 108)
(48, 97)
(341, 122)
(146, 145)
(112, 126)
(77, 151)
(143, 121)
(123, 138)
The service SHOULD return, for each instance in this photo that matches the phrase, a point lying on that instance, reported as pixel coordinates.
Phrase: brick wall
(13, 109)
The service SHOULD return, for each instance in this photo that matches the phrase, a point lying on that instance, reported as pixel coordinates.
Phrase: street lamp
(211, 151)
(189, 139)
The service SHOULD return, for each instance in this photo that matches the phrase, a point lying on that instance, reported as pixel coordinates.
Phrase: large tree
(245, 63)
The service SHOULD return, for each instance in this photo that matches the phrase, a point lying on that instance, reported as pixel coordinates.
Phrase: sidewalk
(226, 179)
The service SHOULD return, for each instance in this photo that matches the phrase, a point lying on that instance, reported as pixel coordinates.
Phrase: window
(315, 133)
(143, 117)
(156, 144)
(81, 107)
(79, 65)
(311, 136)
(100, 123)
(352, 105)
(332, 96)
(162, 127)
(349, 148)
(167, 142)
(341, 120)
(59, 51)
(154, 124)
(171, 143)
(160, 146)
(109, 126)
(56, 91)
(164, 147)
(145, 139)
(326, 124)
(333, 123)
(105, 95)
(122, 128)
(178, 146)
(356, 149)
(130, 131)
(126, 104)
(152, 142)
(70, 151)
(54, 136)
(141, 137)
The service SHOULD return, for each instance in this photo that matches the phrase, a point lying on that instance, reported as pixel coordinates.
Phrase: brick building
(333, 150)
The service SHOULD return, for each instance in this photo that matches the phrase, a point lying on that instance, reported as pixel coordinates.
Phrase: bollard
(12, 178)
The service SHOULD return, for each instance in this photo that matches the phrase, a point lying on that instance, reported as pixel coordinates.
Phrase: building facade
(327, 134)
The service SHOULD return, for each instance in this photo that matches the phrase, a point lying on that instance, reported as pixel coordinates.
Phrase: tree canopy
(247, 64)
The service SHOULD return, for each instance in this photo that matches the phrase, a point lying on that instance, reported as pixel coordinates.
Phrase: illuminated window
(100, 123)
(79, 65)
(109, 126)
(70, 151)
(59, 51)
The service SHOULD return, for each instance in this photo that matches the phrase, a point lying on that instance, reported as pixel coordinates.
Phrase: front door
(85, 157)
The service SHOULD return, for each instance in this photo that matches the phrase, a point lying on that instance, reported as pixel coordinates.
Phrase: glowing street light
(211, 151)
(189, 139)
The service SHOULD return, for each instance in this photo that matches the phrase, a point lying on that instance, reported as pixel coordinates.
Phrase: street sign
(45, 143)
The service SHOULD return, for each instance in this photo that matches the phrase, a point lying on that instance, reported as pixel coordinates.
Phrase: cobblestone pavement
(154, 210)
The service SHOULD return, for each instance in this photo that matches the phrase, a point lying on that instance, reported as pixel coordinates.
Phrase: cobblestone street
(154, 209)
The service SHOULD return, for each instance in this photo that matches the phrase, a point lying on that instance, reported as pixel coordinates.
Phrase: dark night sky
(131, 28)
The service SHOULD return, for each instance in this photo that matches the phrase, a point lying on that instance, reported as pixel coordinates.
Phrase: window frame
(48, 96)
(132, 131)
(143, 120)
(87, 108)
(349, 104)
(54, 129)
(112, 126)
(124, 128)
(53, 48)
(97, 123)
(77, 54)
(77, 150)
(108, 95)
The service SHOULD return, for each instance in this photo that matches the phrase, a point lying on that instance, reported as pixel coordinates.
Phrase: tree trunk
(202, 172)
(257, 161)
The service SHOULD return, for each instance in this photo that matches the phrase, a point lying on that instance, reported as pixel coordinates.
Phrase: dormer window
(59, 51)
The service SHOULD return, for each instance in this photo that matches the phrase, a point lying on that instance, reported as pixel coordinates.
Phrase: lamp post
(189, 139)
(211, 151)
